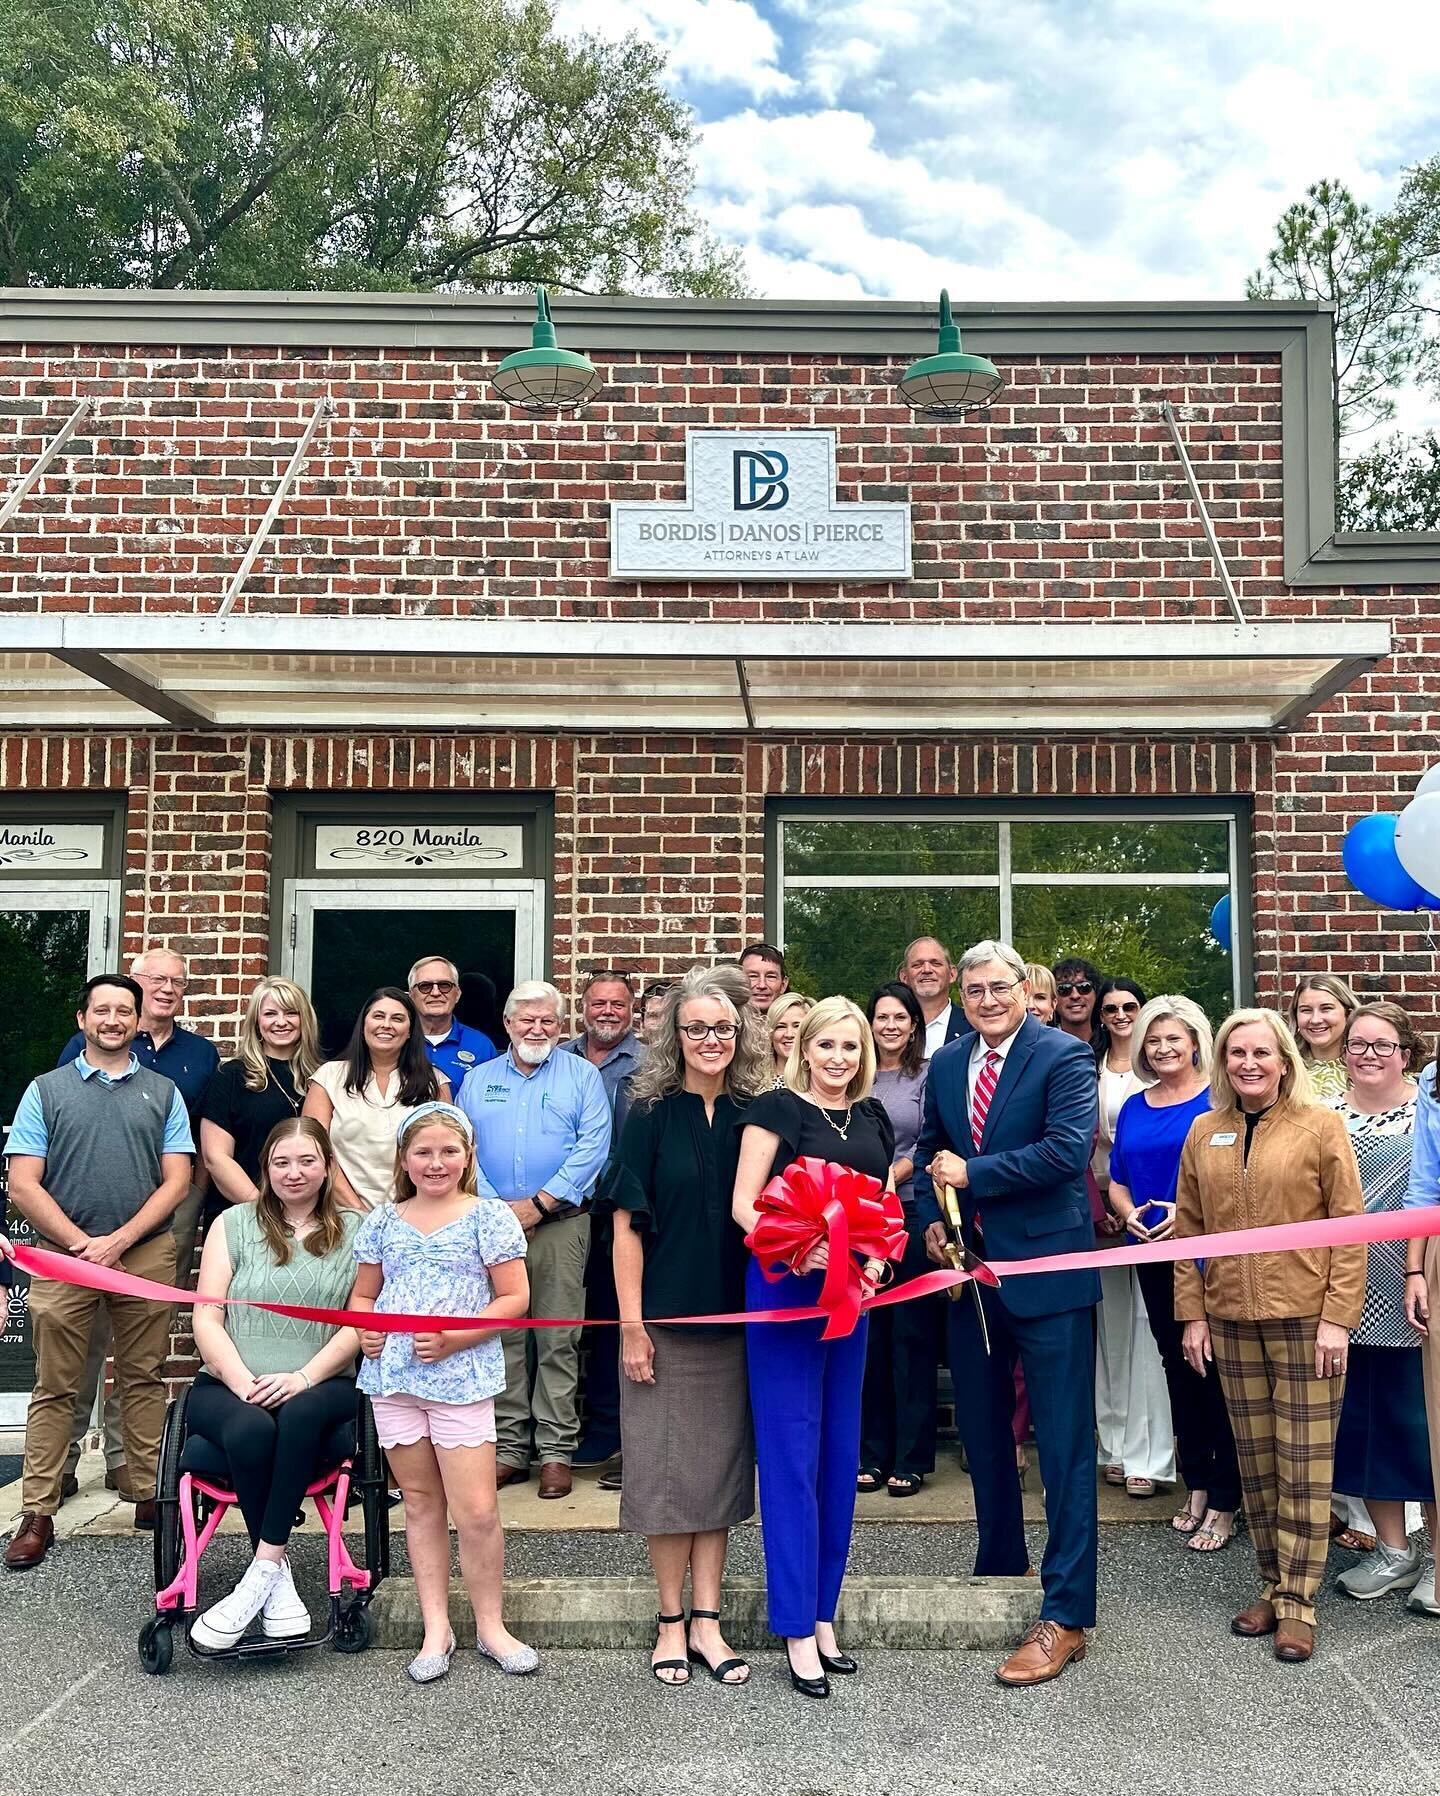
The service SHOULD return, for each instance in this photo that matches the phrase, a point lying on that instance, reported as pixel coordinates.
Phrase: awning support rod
(37, 468)
(743, 679)
(325, 409)
(1232, 598)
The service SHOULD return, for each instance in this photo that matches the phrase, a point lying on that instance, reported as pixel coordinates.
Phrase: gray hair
(1190, 1016)
(662, 1071)
(984, 952)
(424, 961)
(158, 951)
(535, 991)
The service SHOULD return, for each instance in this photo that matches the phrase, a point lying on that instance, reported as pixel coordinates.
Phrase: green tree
(355, 144)
(1331, 247)
(1394, 486)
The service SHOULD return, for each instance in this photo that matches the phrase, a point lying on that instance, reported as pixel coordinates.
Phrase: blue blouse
(1148, 1140)
(443, 1274)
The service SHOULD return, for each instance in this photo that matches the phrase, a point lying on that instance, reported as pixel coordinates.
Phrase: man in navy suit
(1010, 1123)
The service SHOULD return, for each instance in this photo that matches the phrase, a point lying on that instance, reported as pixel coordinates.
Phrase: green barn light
(544, 377)
(949, 384)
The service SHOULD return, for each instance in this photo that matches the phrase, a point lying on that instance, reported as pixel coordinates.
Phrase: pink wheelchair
(192, 1494)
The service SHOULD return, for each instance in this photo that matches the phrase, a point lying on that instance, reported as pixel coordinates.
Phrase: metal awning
(392, 673)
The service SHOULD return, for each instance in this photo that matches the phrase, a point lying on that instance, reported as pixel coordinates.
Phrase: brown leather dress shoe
(1294, 1641)
(1258, 1619)
(511, 1474)
(1043, 1654)
(145, 1514)
(32, 1541)
(69, 1487)
(554, 1479)
(118, 1478)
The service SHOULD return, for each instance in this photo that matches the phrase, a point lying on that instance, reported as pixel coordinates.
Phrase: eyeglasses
(437, 987)
(974, 993)
(159, 979)
(698, 1031)
(1119, 1010)
(1382, 1050)
(1083, 986)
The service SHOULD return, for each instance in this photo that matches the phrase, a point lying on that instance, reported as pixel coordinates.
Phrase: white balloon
(1417, 840)
(1429, 782)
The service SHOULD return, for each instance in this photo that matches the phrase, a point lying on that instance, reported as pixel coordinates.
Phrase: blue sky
(1033, 149)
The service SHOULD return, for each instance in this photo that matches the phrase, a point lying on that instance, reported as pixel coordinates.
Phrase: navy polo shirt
(462, 1049)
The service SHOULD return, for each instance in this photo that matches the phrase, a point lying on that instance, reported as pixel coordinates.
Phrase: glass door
(347, 939)
(51, 940)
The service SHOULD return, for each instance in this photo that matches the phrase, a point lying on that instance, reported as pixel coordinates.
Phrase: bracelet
(1419, 1272)
(302, 1373)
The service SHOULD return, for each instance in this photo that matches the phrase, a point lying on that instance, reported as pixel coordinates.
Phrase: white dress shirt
(977, 1060)
(935, 1032)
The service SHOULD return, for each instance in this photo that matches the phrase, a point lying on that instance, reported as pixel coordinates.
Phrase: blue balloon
(1373, 867)
(1220, 922)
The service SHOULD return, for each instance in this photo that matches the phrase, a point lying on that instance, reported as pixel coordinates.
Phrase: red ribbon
(815, 1201)
(1339, 1231)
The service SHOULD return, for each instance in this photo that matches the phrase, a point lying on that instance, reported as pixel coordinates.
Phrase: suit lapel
(1019, 1053)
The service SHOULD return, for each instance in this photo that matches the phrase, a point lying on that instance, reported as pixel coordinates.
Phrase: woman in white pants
(1132, 1402)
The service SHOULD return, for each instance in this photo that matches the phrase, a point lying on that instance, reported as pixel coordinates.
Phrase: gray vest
(105, 1144)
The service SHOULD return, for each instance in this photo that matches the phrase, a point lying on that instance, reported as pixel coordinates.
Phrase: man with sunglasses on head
(1077, 988)
(454, 1047)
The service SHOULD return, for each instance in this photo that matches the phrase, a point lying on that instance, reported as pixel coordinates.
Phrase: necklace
(270, 1079)
(844, 1132)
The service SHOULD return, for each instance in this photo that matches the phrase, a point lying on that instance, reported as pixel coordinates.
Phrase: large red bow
(816, 1200)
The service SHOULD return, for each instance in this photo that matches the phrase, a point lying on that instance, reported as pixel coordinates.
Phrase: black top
(1252, 1117)
(673, 1172)
(249, 1115)
(869, 1145)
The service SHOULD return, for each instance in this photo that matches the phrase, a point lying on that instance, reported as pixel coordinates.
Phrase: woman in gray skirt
(684, 1404)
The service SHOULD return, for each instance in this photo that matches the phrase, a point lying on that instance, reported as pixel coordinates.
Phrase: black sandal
(716, 1671)
(659, 1665)
(905, 1484)
(868, 1480)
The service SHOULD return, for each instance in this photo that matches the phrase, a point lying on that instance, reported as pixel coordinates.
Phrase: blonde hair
(1042, 980)
(1190, 1016)
(825, 1014)
(403, 1186)
(1334, 988)
(307, 1056)
(1295, 1084)
(777, 1007)
(329, 1229)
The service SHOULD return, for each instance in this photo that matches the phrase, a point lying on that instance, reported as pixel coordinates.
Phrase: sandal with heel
(676, 1665)
(718, 1672)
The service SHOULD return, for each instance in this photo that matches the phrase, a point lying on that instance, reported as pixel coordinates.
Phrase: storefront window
(1131, 892)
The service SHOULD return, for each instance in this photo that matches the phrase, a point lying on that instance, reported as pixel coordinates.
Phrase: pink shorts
(401, 1421)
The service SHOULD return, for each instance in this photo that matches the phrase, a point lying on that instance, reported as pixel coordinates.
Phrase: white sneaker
(224, 1623)
(1422, 1597)
(284, 1616)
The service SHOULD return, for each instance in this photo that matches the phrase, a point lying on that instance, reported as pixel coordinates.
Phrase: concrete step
(566, 1614)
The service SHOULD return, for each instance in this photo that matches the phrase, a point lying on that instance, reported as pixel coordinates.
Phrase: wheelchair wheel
(167, 1495)
(372, 1481)
(352, 1629)
(157, 1647)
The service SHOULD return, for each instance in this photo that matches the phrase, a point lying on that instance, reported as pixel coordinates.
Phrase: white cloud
(708, 43)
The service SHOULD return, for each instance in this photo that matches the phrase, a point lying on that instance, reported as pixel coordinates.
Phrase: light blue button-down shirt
(28, 1134)
(548, 1130)
(1424, 1187)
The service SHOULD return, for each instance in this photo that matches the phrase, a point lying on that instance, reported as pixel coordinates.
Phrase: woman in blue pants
(805, 1392)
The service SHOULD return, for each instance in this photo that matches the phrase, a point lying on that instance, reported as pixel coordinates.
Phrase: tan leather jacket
(1301, 1169)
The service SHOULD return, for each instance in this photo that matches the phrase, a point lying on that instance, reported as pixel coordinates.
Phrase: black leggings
(274, 1453)
(1204, 1443)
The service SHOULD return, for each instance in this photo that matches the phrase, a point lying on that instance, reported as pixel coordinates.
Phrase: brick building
(434, 715)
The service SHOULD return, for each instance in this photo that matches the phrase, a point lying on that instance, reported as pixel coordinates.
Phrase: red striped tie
(984, 1091)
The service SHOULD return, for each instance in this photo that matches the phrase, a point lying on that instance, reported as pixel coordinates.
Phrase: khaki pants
(63, 1322)
(1284, 1419)
(556, 1264)
(184, 1225)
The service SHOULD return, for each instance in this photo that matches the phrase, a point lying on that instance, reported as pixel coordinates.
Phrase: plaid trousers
(1284, 1419)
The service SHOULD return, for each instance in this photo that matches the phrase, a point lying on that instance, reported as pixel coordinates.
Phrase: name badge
(465, 1055)
(1226, 1140)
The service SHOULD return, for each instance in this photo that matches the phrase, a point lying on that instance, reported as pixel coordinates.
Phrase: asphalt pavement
(1165, 1701)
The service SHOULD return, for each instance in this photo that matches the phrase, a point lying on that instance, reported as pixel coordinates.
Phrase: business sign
(761, 506)
(52, 847)
(381, 846)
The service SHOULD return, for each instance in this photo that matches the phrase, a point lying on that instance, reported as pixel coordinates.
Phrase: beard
(607, 1034)
(533, 1053)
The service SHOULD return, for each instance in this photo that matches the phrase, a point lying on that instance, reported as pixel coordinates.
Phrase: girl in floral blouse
(440, 1249)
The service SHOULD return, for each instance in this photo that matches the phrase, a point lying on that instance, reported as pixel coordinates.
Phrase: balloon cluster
(1395, 861)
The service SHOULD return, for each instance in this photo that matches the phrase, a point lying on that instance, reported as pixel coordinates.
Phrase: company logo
(758, 480)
